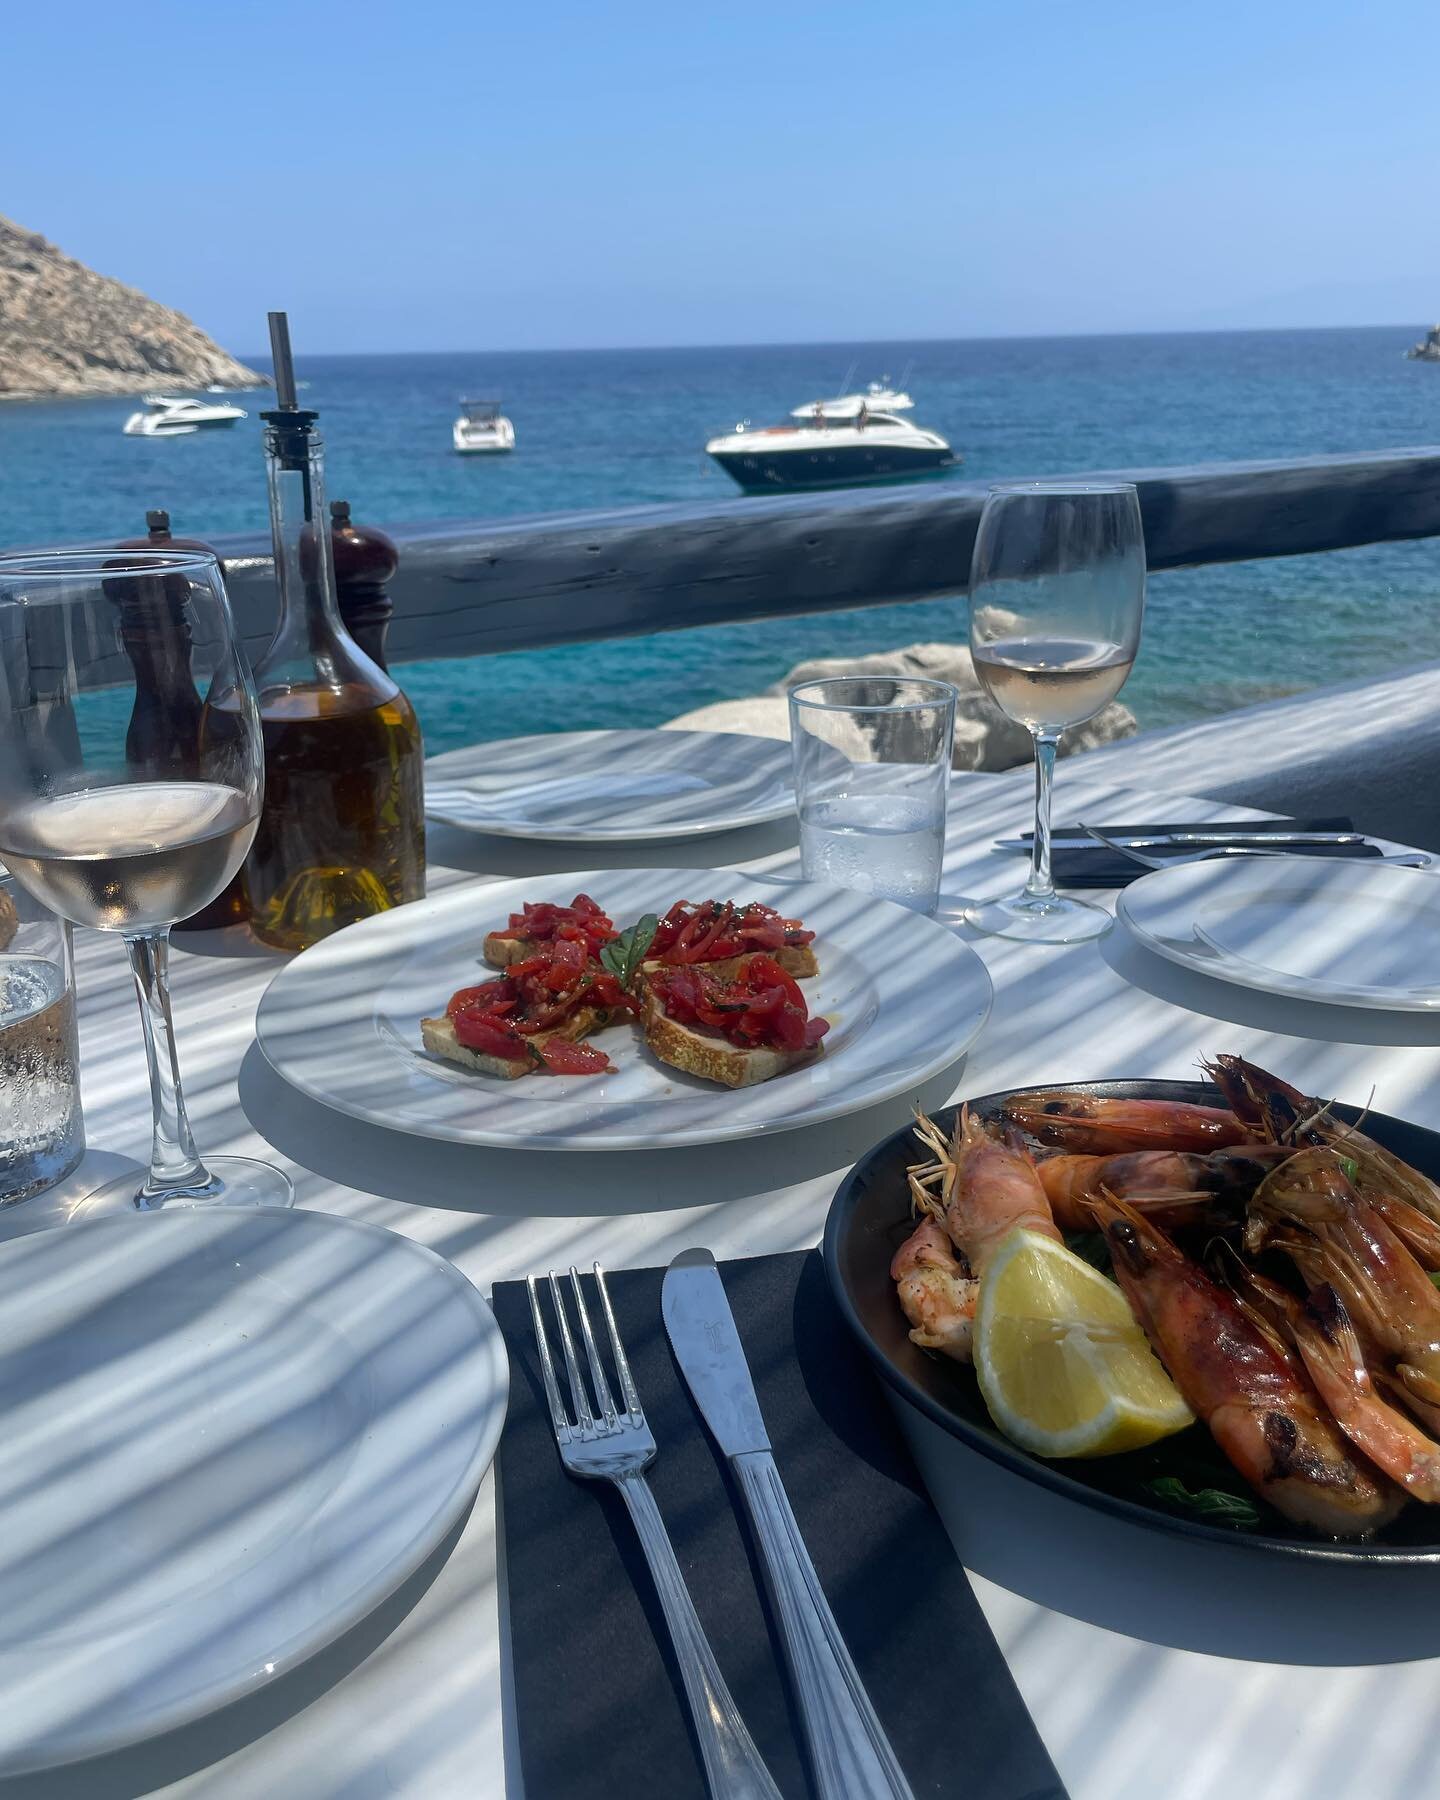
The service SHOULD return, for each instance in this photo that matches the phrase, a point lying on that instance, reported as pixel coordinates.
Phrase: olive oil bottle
(342, 829)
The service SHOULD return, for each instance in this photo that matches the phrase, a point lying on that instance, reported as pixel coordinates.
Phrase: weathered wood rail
(465, 588)
(470, 587)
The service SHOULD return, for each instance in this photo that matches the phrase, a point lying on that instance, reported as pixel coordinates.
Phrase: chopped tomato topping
(715, 930)
(760, 1006)
(582, 923)
(490, 1036)
(501, 1017)
(565, 1058)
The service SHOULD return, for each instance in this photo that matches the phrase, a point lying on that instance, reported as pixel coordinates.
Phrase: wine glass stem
(1040, 885)
(174, 1161)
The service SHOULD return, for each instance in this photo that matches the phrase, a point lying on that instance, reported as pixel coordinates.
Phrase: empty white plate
(342, 1022)
(228, 1436)
(1309, 928)
(598, 787)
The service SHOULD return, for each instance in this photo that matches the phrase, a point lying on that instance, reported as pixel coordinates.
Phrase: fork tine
(1139, 856)
(558, 1416)
(597, 1368)
(572, 1368)
(622, 1364)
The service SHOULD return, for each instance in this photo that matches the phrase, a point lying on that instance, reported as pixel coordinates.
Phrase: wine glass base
(1055, 920)
(234, 1181)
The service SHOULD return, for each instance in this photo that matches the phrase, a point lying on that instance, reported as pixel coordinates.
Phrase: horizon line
(1016, 337)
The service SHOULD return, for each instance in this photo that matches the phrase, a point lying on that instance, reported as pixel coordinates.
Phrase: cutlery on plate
(1159, 839)
(1407, 859)
(850, 1755)
(606, 1443)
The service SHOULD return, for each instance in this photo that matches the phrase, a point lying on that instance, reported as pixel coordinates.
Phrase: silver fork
(616, 1445)
(1409, 859)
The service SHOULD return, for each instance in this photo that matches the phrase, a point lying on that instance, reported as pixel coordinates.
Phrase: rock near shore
(984, 737)
(66, 330)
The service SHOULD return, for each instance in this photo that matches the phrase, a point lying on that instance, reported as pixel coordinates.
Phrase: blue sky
(461, 174)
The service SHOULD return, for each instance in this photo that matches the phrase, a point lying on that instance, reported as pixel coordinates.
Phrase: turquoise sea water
(618, 428)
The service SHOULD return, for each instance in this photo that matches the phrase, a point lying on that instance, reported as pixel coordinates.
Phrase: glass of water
(872, 771)
(42, 1136)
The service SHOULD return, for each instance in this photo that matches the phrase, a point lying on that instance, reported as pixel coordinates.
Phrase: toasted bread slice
(500, 952)
(795, 959)
(439, 1039)
(712, 1058)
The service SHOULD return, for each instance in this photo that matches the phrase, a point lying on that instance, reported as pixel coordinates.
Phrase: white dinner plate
(607, 787)
(228, 1436)
(1346, 933)
(342, 1022)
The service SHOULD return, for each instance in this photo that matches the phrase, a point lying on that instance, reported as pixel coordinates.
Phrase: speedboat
(1428, 349)
(834, 443)
(168, 415)
(482, 428)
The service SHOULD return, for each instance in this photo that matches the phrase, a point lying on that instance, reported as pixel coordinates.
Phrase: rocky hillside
(66, 330)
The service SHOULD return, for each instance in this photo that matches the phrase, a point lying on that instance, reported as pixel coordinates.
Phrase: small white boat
(482, 428)
(852, 439)
(1428, 349)
(169, 415)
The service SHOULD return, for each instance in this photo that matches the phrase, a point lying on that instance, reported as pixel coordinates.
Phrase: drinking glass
(872, 769)
(1057, 595)
(118, 809)
(42, 1135)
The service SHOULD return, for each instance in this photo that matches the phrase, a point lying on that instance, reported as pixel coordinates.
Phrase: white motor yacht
(170, 415)
(482, 428)
(834, 443)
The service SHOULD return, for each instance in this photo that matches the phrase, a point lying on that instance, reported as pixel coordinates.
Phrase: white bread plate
(904, 997)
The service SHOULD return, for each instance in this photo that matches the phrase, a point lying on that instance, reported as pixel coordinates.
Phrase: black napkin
(1077, 861)
(600, 1710)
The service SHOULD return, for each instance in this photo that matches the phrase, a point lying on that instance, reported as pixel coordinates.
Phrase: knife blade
(850, 1755)
(1158, 840)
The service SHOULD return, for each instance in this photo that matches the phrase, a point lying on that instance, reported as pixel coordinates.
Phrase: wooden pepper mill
(365, 559)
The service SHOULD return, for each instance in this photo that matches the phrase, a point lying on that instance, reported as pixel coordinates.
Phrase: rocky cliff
(66, 330)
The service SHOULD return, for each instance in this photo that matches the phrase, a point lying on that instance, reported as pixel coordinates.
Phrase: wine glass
(127, 799)
(1057, 595)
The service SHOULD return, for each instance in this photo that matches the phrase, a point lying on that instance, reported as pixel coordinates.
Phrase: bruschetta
(536, 1016)
(719, 934)
(536, 926)
(743, 1027)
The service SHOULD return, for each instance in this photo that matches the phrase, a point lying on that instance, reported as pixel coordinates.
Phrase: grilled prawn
(1240, 1379)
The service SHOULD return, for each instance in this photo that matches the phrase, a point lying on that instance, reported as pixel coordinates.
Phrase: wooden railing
(470, 587)
(465, 588)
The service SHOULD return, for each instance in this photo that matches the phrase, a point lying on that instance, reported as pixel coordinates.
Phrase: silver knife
(849, 1752)
(1159, 839)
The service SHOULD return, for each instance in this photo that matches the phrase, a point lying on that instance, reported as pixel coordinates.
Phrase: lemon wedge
(1063, 1366)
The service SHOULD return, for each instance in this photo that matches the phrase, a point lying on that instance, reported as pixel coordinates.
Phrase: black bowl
(870, 1217)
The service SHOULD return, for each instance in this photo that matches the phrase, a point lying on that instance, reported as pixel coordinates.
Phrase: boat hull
(759, 470)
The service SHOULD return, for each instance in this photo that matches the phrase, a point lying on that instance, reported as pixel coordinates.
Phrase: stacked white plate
(1309, 928)
(605, 787)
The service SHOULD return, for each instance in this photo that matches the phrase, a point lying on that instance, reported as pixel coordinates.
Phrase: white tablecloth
(414, 1702)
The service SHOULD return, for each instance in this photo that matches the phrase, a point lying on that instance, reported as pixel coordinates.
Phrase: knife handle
(850, 1755)
(733, 1769)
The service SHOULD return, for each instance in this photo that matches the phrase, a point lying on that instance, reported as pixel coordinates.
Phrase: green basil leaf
(1435, 1276)
(1214, 1504)
(642, 936)
(623, 955)
(1350, 1168)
